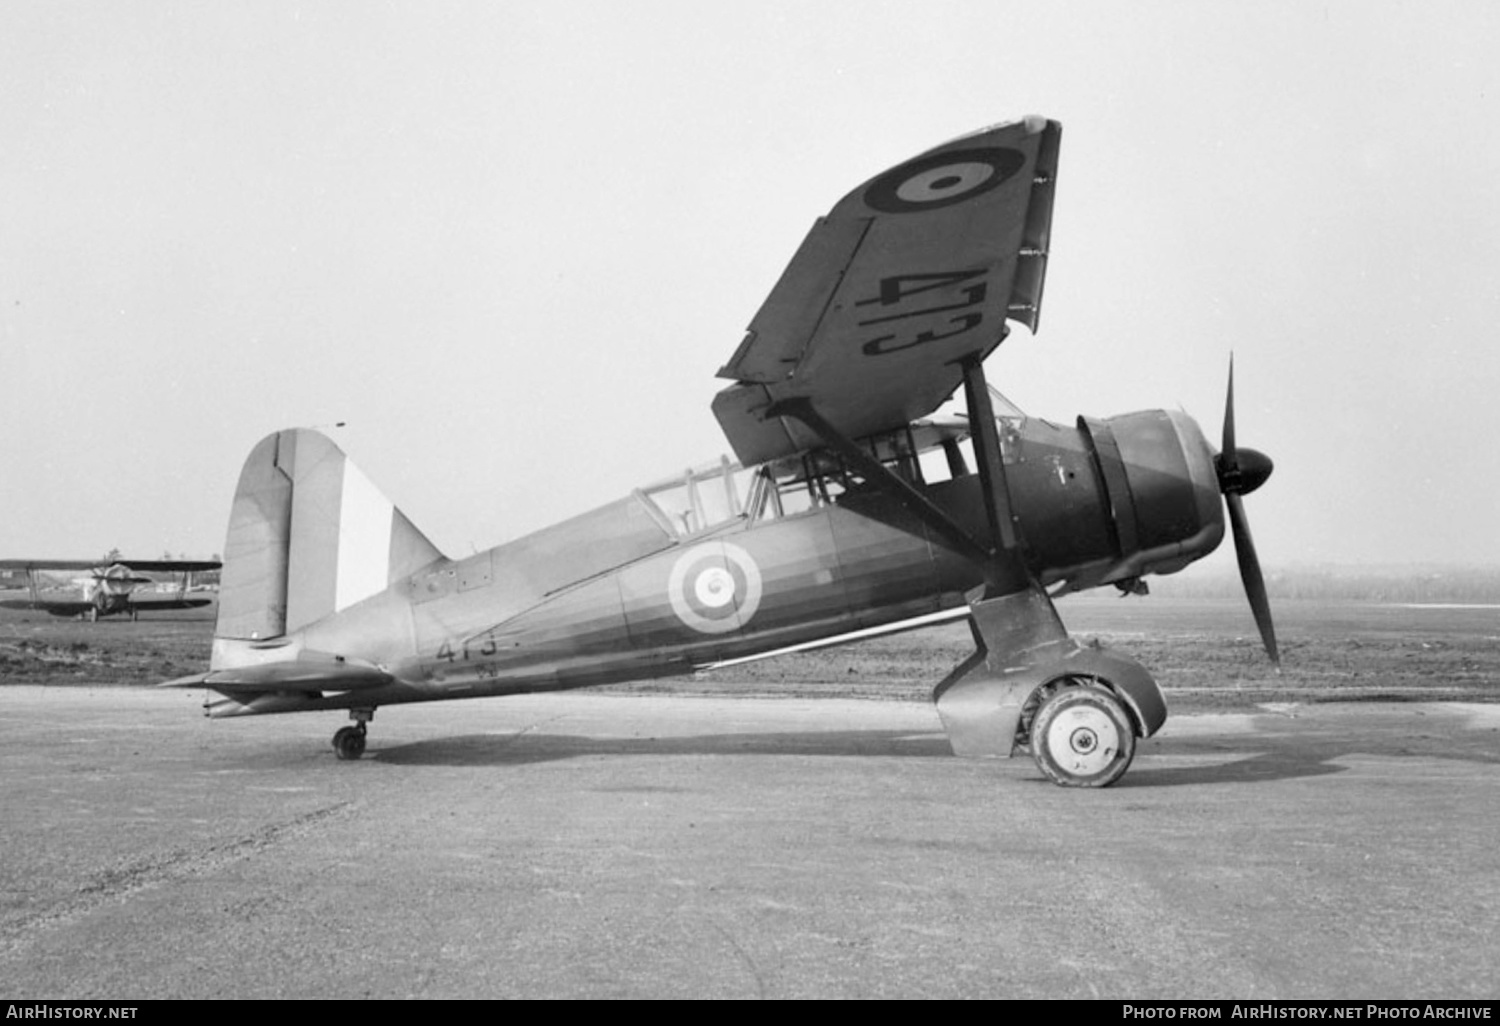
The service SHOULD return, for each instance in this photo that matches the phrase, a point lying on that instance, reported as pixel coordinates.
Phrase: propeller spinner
(1240, 472)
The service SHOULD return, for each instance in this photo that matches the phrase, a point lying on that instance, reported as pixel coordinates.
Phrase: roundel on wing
(714, 588)
(929, 183)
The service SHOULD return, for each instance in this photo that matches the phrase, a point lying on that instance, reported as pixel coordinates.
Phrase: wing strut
(987, 454)
(801, 409)
(1004, 570)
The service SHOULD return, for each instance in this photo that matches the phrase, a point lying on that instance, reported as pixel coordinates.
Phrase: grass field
(1204, 652)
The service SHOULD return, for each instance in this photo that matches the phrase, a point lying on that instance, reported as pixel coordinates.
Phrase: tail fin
(309, 535)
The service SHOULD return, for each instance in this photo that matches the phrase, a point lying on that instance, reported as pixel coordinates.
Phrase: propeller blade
(1250, 575)
(1241, 471)
(1227, 449)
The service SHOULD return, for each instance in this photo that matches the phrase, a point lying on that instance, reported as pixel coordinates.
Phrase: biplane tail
(309, 536)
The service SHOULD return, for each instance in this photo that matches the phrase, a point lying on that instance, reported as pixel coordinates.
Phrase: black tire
(349, 743)
(1082, 737)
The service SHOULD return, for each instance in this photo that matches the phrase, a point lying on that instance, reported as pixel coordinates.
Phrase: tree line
(1360, 584)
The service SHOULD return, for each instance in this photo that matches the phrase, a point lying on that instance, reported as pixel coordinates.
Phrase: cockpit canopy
(709, 496)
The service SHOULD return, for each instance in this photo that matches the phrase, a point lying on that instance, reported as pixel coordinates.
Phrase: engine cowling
(1110, 500)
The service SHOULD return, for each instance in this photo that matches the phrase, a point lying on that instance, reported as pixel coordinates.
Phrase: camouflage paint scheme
(589, 601)
(852, 509)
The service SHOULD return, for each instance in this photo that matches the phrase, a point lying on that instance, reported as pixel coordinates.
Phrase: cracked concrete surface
(592, 845)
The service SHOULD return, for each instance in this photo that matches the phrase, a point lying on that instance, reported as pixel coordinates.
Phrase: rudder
(309, 535)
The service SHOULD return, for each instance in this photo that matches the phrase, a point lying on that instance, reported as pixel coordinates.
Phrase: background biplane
(851, 509)
(112, 587)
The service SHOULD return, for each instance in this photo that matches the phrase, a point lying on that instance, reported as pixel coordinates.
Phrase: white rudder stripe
(364, 559)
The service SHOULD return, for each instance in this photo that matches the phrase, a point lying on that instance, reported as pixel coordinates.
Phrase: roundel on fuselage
(714, 588)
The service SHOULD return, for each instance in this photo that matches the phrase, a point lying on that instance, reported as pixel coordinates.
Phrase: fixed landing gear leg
(980, 702)
(1079, 709)
(349, 742)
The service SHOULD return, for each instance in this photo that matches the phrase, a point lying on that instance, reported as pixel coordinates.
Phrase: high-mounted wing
(911, 272)
(52, 564)
(172, 565)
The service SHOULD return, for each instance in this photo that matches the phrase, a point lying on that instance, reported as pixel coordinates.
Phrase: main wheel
(1082, 737)
(349, 743)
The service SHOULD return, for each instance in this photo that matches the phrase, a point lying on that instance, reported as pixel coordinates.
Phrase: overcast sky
(509, 244)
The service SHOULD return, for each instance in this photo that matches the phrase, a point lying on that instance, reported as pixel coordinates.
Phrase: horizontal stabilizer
(310, 672)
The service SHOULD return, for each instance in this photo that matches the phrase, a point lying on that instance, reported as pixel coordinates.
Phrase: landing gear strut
(1077, 708)
(349, 742)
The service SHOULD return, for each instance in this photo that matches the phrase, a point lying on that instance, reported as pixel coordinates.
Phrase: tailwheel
(1082, 737)
(349, 742)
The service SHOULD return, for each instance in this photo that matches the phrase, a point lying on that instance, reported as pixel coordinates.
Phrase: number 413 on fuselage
(856, 507)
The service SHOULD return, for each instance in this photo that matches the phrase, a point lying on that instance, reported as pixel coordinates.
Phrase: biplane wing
(909, 274)
(148, 601)
(81, 607)
(142, 565)
(57, 607)
(116, 586)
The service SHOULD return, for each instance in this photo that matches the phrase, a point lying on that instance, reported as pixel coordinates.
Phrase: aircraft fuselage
(618, 594)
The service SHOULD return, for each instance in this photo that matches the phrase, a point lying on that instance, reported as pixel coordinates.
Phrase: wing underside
(912, 272)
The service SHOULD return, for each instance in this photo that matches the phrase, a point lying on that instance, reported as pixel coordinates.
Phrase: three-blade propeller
(1241, 471)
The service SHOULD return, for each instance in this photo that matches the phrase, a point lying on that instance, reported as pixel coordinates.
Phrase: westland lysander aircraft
(851, 510)
(116, 587)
